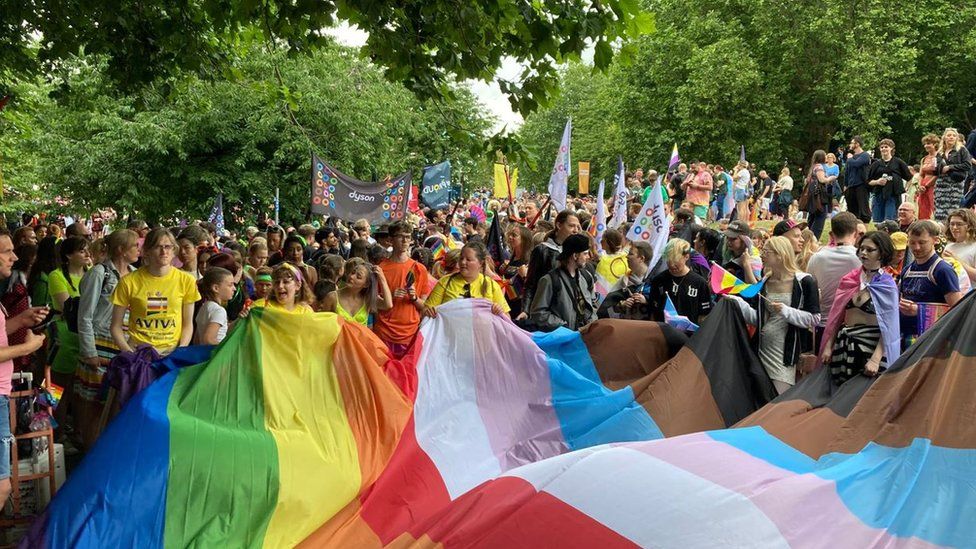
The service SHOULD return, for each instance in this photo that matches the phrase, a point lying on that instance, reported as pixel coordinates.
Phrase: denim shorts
(6, 437)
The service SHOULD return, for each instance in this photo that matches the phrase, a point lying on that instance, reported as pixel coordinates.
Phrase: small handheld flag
(675, 160)
(725, 283)
(673, 319)
(217, 213)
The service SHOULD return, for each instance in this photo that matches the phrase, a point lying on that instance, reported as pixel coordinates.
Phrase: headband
(264, 278)
(295, 271)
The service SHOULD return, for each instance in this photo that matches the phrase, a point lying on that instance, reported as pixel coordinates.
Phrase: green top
(69, 347)
(361, 316)
(58, 284)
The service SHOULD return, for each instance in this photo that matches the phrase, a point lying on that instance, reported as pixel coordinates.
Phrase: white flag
(558, 181)
(620, 195)
(652, 224)
(599, 223)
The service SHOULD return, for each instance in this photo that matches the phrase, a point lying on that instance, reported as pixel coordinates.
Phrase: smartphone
(42, 325)
(410, 279)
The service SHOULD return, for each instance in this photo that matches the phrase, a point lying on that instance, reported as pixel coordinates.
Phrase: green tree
(590, 99)
(783, 79)
(164, 156)
(423, 44)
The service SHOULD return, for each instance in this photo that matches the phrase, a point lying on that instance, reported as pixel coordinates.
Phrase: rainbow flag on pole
(725, 283)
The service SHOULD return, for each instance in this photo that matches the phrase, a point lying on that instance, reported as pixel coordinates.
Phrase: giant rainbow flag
(294, 432)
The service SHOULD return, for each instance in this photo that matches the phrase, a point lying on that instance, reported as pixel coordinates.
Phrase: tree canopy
(781, 78)
(424, 44)
(159, 155)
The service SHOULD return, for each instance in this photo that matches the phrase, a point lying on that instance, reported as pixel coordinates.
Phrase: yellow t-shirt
(453, 287)
(156, 306)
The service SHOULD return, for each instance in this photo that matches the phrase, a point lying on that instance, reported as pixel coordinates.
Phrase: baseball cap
(786, 226)
(738, 228)
(900, 240)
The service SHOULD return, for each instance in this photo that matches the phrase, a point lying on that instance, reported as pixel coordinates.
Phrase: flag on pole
(217, 213)
(559, 180)
(652, 224)
(599, 222)
(675, 160)
(496, 248)
(277, 205)
(506, 181)
(672, 318)
(620, 194)
(725, 283)
(583, 171)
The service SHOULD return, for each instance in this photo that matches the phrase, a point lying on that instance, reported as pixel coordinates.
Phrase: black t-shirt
(690, 294)
(678, 194)
(895, 169)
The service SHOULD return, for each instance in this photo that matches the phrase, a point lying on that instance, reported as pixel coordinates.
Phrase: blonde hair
(118, 242)
(959, 143)
(676, 250)
(782, 247)
(447, 264)
(369, 290)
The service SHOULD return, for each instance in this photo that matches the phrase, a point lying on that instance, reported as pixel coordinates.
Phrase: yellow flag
(584, 177)
(502, 183)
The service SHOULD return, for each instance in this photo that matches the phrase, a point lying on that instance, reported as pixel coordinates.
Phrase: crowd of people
(853, 304)
(869, 185)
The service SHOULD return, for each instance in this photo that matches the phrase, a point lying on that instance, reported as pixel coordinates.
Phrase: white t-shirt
(786, 183)
(828, 266)
(965, 252)
(210, 312)
(742, 180)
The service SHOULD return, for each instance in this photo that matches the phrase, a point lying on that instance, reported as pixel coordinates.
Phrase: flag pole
(539, 213)
(511, 199)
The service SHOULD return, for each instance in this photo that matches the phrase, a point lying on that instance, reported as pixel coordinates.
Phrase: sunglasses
(467, 291)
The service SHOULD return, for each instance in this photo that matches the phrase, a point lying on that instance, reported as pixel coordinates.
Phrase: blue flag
(672, 318)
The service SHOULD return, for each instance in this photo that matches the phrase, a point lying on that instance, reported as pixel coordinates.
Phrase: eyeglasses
(958, 224)
(164, 248)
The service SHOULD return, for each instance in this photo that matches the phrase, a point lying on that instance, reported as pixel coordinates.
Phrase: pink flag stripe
(805, 507)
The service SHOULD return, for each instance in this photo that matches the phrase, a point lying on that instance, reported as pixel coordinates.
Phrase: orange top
(399, 324)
